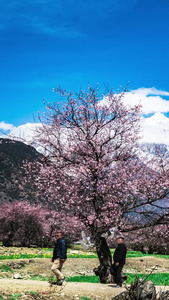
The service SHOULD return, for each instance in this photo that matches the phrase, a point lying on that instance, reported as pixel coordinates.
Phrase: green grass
(24, 256)
(46, 249)
(92, 279)
(12, 296)
(85, 298)
(85, 255)
(41, 278)
(5, 268)
(82, 254)
(15, 296)
(140, 254)
(157, 279)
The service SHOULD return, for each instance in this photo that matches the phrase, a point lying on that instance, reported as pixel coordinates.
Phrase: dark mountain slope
(12, 156)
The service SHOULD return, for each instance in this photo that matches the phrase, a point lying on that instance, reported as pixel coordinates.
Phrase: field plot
(33, 267)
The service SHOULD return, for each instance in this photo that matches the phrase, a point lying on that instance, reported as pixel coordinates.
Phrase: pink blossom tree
(149, 239)
(25, 224)
(92, 169)
(21, 223)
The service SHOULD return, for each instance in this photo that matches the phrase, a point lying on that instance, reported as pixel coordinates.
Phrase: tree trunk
(105, 259)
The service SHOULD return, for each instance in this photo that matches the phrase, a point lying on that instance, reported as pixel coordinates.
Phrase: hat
(120, 237)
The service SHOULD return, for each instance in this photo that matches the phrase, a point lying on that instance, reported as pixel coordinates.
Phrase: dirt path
(94, 290)
(72, 289)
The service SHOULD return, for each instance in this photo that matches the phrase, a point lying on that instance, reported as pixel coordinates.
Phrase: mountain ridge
(12, 156)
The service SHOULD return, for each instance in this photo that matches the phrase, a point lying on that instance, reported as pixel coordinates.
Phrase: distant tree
(150, 239)
(25, 224)
(21, 223)
(92, 168)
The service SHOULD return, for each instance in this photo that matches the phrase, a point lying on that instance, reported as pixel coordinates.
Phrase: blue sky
(46, 43)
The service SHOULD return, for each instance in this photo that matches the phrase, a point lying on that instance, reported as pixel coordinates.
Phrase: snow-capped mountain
(26, 134)
(154, 130)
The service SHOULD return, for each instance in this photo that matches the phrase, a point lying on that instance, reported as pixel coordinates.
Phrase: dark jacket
(120, 254)
(60, 250)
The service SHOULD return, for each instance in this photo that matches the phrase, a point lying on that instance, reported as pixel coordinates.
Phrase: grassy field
(47, 253)
(77, 253)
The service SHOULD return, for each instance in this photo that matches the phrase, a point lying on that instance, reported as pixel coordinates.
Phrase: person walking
(119, 259)
(59, 257)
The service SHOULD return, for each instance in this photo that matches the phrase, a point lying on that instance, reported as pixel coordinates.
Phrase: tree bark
(105, 259)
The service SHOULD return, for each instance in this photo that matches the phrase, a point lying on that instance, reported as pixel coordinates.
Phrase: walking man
(119, 258)
(59, 257)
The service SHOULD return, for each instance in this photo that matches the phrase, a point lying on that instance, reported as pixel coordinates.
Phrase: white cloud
(151, 91)
(149, 98)
(6, 126)
(154, 129)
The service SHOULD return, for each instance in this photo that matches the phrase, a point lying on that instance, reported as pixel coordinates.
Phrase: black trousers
(116, 272)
